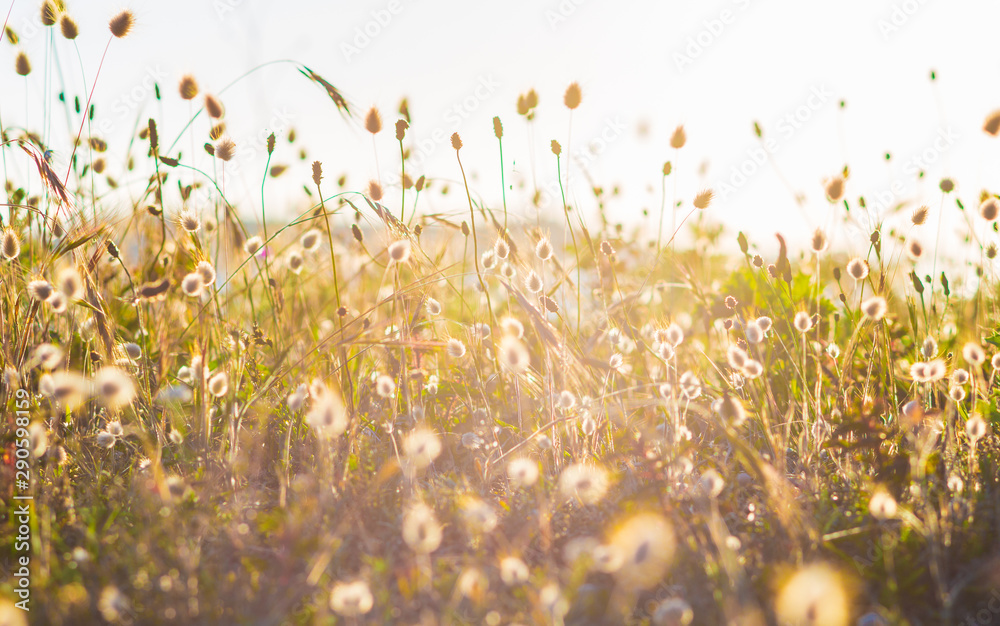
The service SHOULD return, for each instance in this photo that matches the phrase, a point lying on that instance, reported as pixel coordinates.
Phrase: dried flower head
(857, 269)
(874, 308)
(69, 283)
(10, 244)
(420, 447)
(192, 284)
(310, 240)
(351, 599)
(989, 209)
(373, 121)
(253, 245)
(40, 290)
(679, 138)
(703, 199)
(803, 322)
(421, 530)
(976, 428)
(218, 385)
(68, 27)
(121, 24)
(973, 353)
(188, 87)
(21, 64)
(523, 472)
(815, 595)
(214, 107)
(455, 348)
(225, 149)
(919, 216)
(399, 251)
(189, 221)
(992, 124)
(114, 387)
(835, 189)
(533, 282)
(882, 505)
(584, 482)
(543, 249)
(207, 272)
(573, 96)
(819, 241)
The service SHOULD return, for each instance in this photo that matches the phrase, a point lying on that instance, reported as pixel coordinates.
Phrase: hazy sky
(644, 67)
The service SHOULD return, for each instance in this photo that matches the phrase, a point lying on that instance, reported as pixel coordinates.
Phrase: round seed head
(399, 251)
(189, 221)
(874, 308)
(857, 269)
(226, 149)
(803, 322)
(40, 290)
(192, 284)
(295, 261)
(207, 272)
(989, 209)
(218, 385)
(973, 354)
(976, 428)
(252, 245)
(310, 240)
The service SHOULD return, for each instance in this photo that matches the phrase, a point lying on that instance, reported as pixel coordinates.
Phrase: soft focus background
(644, 67)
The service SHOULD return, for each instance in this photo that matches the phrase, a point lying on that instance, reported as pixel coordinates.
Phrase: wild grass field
(375, 413)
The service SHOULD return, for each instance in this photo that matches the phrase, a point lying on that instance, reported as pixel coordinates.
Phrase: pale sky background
(644, 67)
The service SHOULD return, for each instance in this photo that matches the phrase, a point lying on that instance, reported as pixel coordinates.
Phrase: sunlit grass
(475, 417)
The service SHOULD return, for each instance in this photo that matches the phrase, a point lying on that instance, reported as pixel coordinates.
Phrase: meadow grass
(468, 417)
